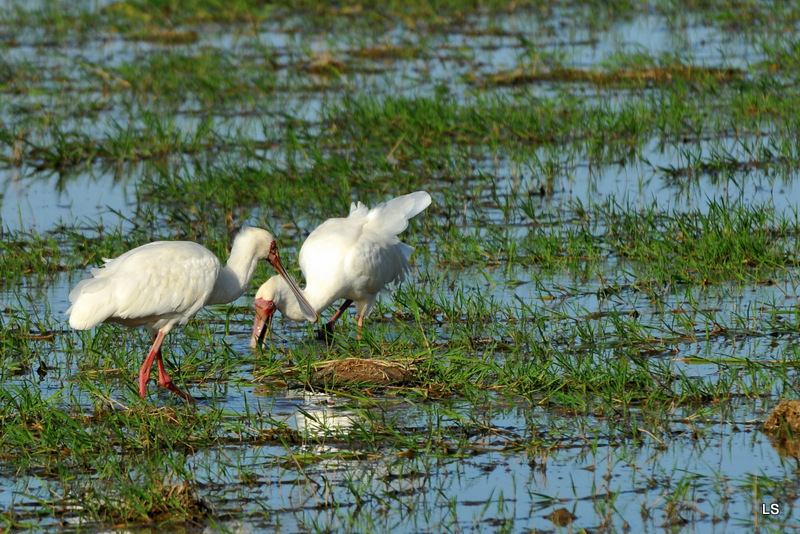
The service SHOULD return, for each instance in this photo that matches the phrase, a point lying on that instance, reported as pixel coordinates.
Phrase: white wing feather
(161, 284)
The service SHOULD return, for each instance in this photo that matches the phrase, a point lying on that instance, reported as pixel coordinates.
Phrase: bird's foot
(142, 387)
(326, 334)
(166, 382)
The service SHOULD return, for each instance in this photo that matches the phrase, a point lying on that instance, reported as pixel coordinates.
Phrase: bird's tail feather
(90, 306)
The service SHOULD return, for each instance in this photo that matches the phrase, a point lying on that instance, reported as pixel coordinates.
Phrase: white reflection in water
(316, 414)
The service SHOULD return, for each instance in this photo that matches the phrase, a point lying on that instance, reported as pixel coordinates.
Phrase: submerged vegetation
(605, 285)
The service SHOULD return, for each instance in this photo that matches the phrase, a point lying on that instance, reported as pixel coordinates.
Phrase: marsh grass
(541, 321)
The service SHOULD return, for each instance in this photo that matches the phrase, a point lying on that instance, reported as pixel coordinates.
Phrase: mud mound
(783, 425)
(364, 371)
(784, 419)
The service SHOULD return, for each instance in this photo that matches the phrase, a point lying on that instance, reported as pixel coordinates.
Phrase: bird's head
(266, 303)
(279, 293)
(254, 242)
(259, 244)
(265, 309)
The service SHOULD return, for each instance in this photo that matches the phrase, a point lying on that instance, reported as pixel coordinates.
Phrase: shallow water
(31, 201)
(580, 462)
(617, 485)
(698, 471)
(588, 471)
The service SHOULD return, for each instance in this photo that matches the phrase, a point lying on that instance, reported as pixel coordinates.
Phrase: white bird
(164, 283)
(351, 258)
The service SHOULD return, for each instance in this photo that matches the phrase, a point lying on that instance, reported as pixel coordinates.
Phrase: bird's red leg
(326, 332)
(165, 380)
(144, 372)
(360, 323)
(346, 304)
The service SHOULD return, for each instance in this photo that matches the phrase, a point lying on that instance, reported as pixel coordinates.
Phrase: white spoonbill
(350, 258)
(164, 283)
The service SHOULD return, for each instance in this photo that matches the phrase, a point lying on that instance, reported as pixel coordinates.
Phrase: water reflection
(317, 414)
(31, 200)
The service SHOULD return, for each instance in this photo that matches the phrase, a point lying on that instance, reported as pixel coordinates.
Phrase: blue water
(701, 468)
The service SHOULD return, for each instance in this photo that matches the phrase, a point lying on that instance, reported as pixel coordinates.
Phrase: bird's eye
(271, 305)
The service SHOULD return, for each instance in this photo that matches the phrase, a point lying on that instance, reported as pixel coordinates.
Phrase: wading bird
(164, 283)
(350, 258)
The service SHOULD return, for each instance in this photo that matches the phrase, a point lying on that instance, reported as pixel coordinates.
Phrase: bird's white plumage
(158, 285)
(354, 257)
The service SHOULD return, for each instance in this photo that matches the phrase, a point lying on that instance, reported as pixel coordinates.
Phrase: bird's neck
(234, 278)
(290, 307)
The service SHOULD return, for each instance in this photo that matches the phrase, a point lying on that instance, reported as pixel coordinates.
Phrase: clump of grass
(30, 254)
(153, 501)
(725, 241)
(204, 75)
(639, 78)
